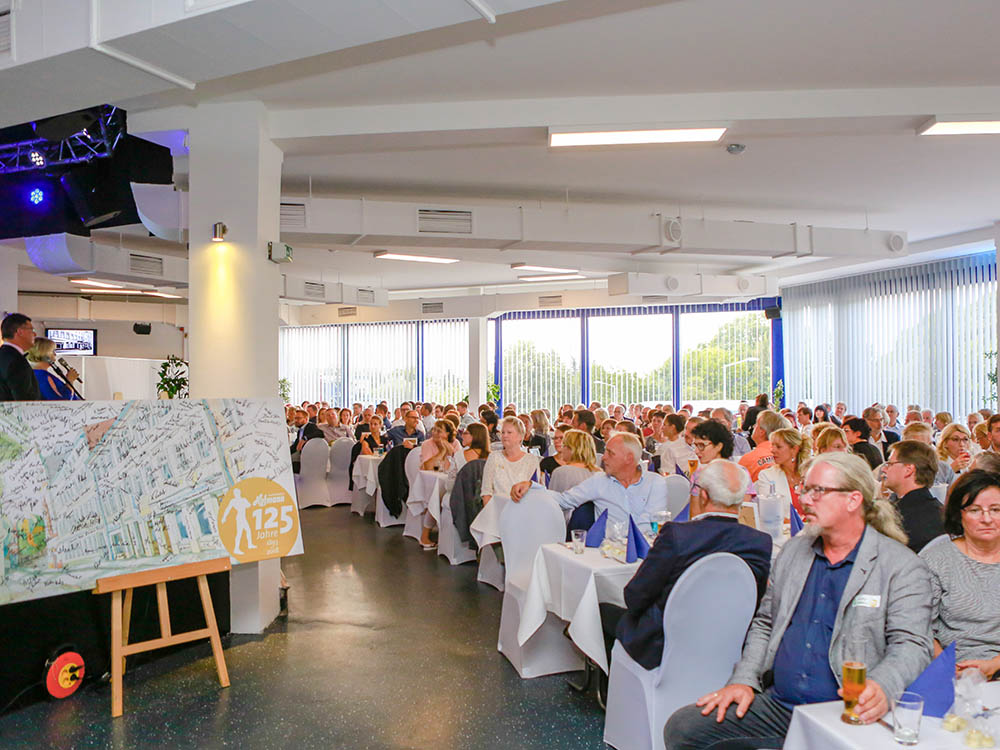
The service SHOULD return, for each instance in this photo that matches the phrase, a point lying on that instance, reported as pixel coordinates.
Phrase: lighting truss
(96, 142)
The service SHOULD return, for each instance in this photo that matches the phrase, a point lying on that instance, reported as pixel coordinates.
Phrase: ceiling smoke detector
(736, 148)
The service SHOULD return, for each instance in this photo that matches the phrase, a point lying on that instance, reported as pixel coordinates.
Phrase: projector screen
(78, 341)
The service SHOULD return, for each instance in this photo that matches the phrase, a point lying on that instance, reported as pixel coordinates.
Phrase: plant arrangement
(173, 378)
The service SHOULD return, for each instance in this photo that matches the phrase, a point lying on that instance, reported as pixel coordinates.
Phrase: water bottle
(769, 506)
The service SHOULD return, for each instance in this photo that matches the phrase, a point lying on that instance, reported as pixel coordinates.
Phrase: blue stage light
(37, 159)
(36, 196)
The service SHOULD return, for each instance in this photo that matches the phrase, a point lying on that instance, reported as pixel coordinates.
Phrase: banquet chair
(678, 493)
(310, 482)
(566, 478)
(583, 518)
(337, 479)
(391, 494)
(524, 527)
(702, 643)
(491, 570)
(411, 467)
(449, 543)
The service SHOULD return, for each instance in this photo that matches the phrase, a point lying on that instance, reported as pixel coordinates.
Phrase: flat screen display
(78, 341)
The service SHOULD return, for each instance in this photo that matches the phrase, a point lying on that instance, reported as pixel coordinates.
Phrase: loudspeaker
(143, 329)
(772, 313)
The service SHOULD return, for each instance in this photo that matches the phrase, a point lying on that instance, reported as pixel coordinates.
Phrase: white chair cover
(702, 644)
(524, 527)
(678, 494)
(310, 482)
(449, 544)
(414, 523)
(491, 570)
(337, 478)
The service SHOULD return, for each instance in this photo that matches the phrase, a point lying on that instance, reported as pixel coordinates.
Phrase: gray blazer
(898, 629)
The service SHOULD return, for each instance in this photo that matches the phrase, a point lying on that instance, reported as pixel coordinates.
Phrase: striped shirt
(966, 606)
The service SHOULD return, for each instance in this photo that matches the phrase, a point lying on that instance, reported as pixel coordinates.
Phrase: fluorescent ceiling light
(164, 294)
(415, 258)
(541, 269)
(558, 138)
(91, 282)
(112, 291)
(553, 277)
(936, 126)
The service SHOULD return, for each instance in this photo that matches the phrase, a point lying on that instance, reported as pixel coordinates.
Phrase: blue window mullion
(675, 362)
(585, 357)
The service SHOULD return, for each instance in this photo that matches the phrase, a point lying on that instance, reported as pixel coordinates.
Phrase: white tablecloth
(485, 527)
(572, 586)
(366, 473)
(426, 492)
(818, 727)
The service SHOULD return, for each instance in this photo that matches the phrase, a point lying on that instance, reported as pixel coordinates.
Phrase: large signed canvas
(94, 489)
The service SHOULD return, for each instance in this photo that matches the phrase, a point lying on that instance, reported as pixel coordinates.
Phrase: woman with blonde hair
(790, 449)
(540, 429)
(509, 465)
(41, 356)
(954, 447)
(832, 440)
(579, 458)
(981, 433)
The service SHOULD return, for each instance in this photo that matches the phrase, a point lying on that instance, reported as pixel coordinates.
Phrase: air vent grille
(293, 216)
(432, 308)
(346, 312)
(4, 27)
(655, 299)
(366, 296)
(148, 265)
(315, 290)
(550, 300)
(444, 222)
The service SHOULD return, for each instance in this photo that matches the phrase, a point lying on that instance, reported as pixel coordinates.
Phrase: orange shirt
(758, 459)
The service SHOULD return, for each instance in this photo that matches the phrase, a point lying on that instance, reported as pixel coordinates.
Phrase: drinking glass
(616, 529)
(855, 672)
(906, 712)
(692, 466)
(659, 519)
(579, 537)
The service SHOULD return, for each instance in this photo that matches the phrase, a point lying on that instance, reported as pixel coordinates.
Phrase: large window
(312, 359)
(446, 360)
(912, 335)
(631, 358)
(382, 361)
(541, 361)
(725, 357)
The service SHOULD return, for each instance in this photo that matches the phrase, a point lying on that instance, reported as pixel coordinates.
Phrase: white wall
(105, 378)
(115, 338)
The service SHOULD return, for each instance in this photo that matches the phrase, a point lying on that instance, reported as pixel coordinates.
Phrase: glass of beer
(692, 466)
(855, 673)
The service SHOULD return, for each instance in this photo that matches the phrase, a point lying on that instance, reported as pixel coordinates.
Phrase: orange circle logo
(258, 520)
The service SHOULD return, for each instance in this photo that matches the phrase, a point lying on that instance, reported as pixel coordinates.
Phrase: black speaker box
(143, 329)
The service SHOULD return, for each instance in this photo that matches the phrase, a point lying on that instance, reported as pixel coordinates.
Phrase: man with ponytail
(847, 577)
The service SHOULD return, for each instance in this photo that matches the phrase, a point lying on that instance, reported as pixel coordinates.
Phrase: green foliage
(173, 378)
(778, 399)
(991, 374)
(285, 389)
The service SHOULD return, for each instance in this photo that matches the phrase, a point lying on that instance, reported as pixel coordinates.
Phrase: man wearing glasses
(846, 578)
(17, 379)
(908, 473)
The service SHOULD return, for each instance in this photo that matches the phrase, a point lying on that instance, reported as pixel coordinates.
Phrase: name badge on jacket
(867, 600)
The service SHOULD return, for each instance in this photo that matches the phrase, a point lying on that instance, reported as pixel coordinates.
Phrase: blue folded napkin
(796, 521)
(637, 544)
(936, 684)
(685, 514)
(596, 533)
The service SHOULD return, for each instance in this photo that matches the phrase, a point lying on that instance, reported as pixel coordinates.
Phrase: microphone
(67, 368)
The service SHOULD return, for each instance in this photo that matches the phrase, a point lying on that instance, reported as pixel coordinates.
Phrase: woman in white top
(509, 465)
(579, 461)
(790, 451)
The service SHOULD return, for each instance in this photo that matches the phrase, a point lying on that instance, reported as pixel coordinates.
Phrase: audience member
(465, 416)
(921, 432)
(790, 451)
(437, 451)
(750, 417)
(578, 461)
(858, 432)
(406, 434)
(760, 457)
(304, 431)
(831, 439)
(876, 420)
(893, 425)
(373, 440)
(507, 467)
(954, 447)
(993, 428)
(909, 473)
(554, 461)
(981, 436)
(475, 442)
(584, 419)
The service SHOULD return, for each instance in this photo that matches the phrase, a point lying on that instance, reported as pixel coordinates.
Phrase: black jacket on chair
(392, 481)
(467, 499)
(355, 452)
(17, 379)
(678, 546)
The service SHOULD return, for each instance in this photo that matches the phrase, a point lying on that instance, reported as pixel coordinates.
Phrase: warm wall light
(219, 232)
(91, 282)
(541, 269)
(559, 137)
(383, 255)
(553, 277)
(961, 126)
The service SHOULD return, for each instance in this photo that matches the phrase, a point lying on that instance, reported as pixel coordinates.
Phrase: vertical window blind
(383, 362)
(312, 359)
(913, 335)
(446, 360)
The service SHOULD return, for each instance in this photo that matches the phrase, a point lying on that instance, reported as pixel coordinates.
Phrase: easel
(121, 648)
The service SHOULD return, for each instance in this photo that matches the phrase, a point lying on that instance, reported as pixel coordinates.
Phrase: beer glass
(855, 672)
(692, 466)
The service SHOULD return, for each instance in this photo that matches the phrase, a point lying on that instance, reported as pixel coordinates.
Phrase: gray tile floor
(385, 646)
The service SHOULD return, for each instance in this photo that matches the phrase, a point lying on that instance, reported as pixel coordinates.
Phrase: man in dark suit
(17, 379)
(714, 527)
(908, 473)
(880, 437)
(306, 430)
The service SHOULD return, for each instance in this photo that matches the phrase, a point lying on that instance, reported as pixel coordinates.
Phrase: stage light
(37, 159)
(36, 196)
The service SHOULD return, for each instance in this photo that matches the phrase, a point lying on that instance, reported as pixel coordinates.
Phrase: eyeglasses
(817, 491)
(976, 511)
(700, 445)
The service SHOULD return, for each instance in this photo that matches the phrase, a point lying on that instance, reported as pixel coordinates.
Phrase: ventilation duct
(306, 290)
(432, 308)
(687, 285)
(550, 300)
(293, 216)
(163, 210)
(70, 255)
(435, 221)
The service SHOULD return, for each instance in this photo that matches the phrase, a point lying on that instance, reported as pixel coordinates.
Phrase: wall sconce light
(219, 232)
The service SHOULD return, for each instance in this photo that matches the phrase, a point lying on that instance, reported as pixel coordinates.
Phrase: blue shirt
(802, 669)
(53, 388)
(397, 435)
(640, 499)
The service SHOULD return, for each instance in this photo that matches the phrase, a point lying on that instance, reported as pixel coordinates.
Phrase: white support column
(8, 282)
(235, 178)
(478, 361)
(996, 247)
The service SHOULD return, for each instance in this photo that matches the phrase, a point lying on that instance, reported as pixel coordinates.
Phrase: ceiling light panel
(561, 138)
(957, 126)
(541, 269)
(91, 282)
(553, 277)
(414, 258)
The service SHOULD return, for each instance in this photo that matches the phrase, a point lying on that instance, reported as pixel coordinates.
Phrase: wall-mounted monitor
(76, 341)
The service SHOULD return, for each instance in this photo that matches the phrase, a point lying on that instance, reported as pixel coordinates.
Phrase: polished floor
(385, 646)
